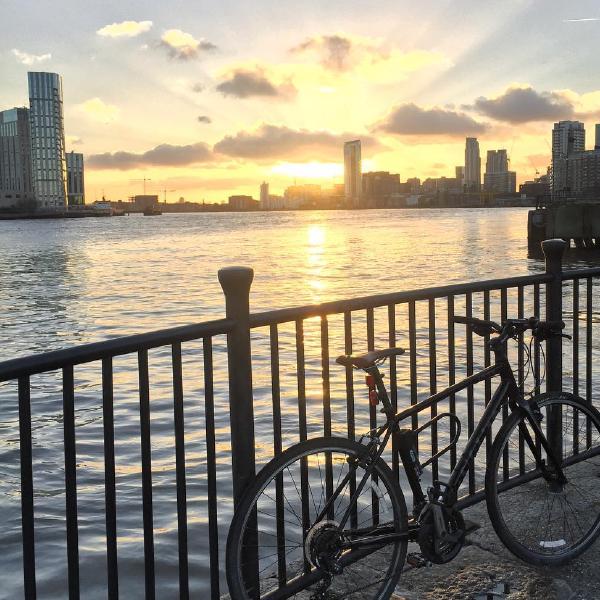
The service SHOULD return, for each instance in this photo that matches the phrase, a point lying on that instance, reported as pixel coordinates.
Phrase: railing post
(553, 251)
(236, 282)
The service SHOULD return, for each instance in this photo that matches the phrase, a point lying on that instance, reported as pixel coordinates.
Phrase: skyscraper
(15, 157)
(497, 161)
(352, 172)
(597, 140)
(47, 140)
(567, 137)
(472, 166)
(75, 180)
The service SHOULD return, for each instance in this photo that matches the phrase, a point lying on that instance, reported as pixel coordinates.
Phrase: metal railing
(295, 393)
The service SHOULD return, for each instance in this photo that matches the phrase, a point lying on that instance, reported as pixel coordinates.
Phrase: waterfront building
(568, 137)
(145, 201)
(303, 196)
(472, 165)
(352, 172)
(380, 184)
(584, 174)
(241, 202)
(413, 185)
(597, 139)
(75, 179)
(459, 174)
(264, 196)
(497, 178)
(16, 188)
(538, 188)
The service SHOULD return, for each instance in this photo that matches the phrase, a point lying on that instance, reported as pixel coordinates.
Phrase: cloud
(520, 104)
(99, 110)
(245, 83)
(125, 29)
(366, 57)
(204, 119)
(30, 59)
(333, 50)
(163, 155)
(197, 87)
(283, 143)
(73, 140)
(182, 45)
(410, 119)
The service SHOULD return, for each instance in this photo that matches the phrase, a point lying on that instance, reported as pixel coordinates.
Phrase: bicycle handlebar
(541, 330)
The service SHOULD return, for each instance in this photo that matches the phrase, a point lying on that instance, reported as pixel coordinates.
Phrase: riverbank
(73, 214)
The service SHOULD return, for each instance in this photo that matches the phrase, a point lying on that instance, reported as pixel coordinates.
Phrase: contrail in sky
(581, 20)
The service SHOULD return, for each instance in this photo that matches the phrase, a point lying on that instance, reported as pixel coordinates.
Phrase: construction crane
(140, 181)
(165, 194)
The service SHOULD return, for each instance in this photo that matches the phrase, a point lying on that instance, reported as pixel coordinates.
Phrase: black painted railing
(297, 393)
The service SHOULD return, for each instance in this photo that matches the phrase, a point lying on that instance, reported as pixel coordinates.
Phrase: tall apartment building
(75, 182)
(47, 140)
(597, 139)
(459, 174)
(584, 174)
(380, 184)
(15, 158)
(497, 178)
(472, 165)
(568, 137)
(352, 172)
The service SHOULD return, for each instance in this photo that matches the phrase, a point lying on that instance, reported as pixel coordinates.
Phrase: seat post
(388, 409)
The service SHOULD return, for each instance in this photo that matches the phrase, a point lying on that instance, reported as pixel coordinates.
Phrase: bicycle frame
(507, 391)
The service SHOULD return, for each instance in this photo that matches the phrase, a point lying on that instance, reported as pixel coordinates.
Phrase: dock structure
(577, 221)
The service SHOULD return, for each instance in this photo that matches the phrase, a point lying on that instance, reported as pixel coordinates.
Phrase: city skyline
(192, 105)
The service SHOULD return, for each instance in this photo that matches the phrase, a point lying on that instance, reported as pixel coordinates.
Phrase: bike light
(373, 397)
(370, 380)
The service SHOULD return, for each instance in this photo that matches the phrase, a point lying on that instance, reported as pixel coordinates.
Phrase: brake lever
(567, 336)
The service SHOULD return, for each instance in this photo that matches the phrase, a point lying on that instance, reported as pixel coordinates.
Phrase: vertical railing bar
(588, 356)
(470, 396)
(412, 343)
(277, 447)
(372, 413)
(350, 414)
(393, 383)
(521, 370)
(326, 409)
(433, 384)
(301, 377)
(211, 467)
(503, 317)
(27, 519)
(70, 480)
(452, 375)
(178, 416)
(536, 343)
(487, 361)
(148, 518)
(110, 498)
(575, 345)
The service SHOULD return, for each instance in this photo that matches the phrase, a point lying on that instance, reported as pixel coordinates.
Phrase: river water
(67, 282)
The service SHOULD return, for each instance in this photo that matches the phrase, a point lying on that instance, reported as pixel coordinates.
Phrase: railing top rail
(286, 315)
(57, 359)
(580, 273)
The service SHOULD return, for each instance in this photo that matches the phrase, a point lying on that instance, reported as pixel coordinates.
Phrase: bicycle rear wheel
(540, 521)
(275, 547)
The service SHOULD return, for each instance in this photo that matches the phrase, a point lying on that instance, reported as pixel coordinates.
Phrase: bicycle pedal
(416, 560)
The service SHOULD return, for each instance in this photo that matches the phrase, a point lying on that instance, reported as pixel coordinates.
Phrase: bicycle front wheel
(540, 520)
(278, 547)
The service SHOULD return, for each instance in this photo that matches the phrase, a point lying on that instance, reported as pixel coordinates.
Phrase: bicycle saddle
(364, 361)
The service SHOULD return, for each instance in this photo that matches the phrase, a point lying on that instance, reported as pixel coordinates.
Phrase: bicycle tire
(527, 517)
(248, 507)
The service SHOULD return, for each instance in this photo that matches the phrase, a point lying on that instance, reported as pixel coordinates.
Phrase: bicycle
(326, 518)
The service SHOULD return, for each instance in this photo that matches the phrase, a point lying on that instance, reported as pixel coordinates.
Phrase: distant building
(568, 137)
(145, 201)
(75, 179)
(497, 178)
(16, 186)
(240, 202)
(47, 140)
(377, 185)
(460, 176)
(264, 195)
(413, 184)
(301, 196)
(584, 174)
(440, 184)
(472, 165)
(538, 188)
(352, 172)
(597, 138)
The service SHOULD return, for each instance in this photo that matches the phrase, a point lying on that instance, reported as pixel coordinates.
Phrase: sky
(207, 99)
